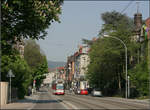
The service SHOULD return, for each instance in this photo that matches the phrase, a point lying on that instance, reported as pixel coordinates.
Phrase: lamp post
(128, 86)
(126, 93)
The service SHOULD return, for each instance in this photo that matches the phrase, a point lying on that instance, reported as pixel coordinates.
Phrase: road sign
(10, 74)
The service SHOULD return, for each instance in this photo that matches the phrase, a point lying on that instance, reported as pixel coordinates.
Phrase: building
(70, 71)
(19, 45)
(61, 73)
(77, 67)
(83, 61)
(49, 77)
(137, 27)
(147, 29)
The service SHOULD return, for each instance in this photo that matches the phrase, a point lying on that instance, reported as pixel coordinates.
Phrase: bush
(139, 80)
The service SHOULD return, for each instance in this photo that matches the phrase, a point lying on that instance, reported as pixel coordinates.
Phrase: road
(47, 100)
(44, 99)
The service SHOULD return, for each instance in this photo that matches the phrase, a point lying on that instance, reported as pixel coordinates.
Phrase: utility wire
(127, 6)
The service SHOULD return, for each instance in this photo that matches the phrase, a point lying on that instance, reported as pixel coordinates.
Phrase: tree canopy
(36, 60)
(28, 18)
(24, 19)
(107, 56)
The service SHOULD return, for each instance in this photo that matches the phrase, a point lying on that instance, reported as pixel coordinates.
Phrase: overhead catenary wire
(127, 6)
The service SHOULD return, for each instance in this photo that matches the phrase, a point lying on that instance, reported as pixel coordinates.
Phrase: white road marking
(33, 104)
(64, 103)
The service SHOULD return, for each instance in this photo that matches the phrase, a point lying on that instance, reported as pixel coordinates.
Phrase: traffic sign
(10, 74)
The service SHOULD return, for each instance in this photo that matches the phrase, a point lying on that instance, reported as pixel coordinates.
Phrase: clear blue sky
(82, 19)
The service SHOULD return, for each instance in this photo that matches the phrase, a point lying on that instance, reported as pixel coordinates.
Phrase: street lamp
(125, 57)
(128, 86)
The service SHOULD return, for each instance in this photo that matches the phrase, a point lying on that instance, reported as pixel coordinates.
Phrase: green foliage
(107, 58)
(32, 53)
(105, 61)
(25, 19)
(21, 71)
(40, 72)
(107, 67)
(113, 21)
(139, 79)
(36, 60)
(88, 42)
(28, 18)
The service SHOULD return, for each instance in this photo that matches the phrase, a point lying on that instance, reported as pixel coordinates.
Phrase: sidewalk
(26, 103)
(132, 100)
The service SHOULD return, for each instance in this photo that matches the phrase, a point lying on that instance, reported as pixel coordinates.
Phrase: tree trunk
(119, 82)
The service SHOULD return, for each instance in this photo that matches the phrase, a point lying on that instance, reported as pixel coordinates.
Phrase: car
(96, 92)
(84, 92)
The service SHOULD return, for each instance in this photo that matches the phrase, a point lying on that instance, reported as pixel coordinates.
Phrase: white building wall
(84, 61)
(49, 78)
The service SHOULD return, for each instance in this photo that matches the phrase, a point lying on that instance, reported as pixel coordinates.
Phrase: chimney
(138, 20)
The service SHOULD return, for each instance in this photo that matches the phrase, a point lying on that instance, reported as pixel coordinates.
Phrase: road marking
(66, 104)
(33, 104)
(70, 105)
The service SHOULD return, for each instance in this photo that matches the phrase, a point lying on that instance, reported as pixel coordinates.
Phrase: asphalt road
(47, 100)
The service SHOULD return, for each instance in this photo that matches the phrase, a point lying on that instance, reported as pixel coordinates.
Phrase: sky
(82, 19)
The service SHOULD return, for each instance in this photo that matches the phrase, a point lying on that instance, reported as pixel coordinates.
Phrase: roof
(147, 22)
(60, 68)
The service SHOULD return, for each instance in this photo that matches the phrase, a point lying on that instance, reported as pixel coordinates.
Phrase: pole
(128, 86)
(33, 87)
(126, 61)
(10, 91)
(126, 69)
(148, 59)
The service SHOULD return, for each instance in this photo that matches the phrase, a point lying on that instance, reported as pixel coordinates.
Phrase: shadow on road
(42, 90)
(26, 100)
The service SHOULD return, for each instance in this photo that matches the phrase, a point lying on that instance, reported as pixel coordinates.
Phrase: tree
(36, 60)
(107, 55)
(20, 69)
(139, 79)
(113, 20)
(26, 19)
(40, 72)
(107, 67)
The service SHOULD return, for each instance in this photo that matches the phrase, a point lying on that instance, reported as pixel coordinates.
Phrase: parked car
(96, 92)
(84, 92)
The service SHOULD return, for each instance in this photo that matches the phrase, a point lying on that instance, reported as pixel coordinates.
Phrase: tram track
(118, 105)
(83, 102)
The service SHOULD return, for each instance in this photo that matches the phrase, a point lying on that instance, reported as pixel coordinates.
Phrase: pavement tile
(21, 104)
